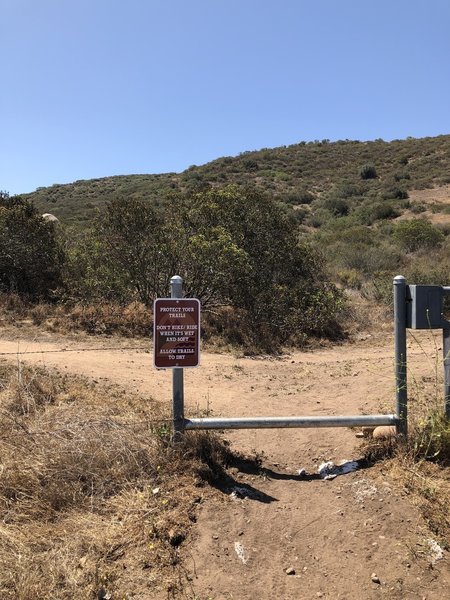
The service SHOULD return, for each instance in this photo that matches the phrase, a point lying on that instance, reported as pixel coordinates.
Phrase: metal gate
(415, 307)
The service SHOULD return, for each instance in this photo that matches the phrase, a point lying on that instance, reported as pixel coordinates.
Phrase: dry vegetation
(94, 499)
(295, 174)
(421, 463)
(102, 318)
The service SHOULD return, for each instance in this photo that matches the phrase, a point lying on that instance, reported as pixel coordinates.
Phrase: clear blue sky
(91, 88)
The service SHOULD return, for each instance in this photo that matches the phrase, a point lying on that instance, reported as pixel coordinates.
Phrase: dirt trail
(333, 534)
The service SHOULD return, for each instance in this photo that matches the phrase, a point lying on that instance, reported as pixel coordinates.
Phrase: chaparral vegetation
(278, 244)
(283, 247)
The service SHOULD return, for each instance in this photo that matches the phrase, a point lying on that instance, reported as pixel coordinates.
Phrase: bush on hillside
(232, 247)
(368, 172)
(89, 273)
(30, 256)
(394, 192)
(338, 207)
(368, 213)
(299, 197)
(277, 283)
(417, 234)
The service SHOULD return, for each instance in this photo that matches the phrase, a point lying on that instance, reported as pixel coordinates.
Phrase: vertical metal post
(446, 351)
(176, 291)
(400, 354)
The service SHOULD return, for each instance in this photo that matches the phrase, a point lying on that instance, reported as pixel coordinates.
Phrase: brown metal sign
(176, 332)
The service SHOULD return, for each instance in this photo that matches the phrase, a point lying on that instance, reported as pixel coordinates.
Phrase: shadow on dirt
(230, 485)
(221, 466)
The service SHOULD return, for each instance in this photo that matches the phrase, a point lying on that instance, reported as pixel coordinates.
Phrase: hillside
(299, 174)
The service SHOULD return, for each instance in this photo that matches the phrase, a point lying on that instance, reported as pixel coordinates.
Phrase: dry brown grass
(424, 479)
(132, 320)
(421, 462)
(94, 500)
(105, 318)
(13, 308)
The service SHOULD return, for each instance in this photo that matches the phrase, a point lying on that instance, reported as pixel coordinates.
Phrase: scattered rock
(435, 551)
(50, 218)
(375, 578)
(175, 537)
(367, 431)
(290, 571)
(240, 551)
(384, 432)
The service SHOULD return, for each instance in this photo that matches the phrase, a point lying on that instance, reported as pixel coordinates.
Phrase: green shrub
(250, 164)
(347, 190)
(350, 278)
(365, 258)
(394, 192)
(368, 172)
(233, 247)
(384, 210)
(418, 207)
(299, 197)
(30, 255)
(336, 206)
(431, 438)
(369, 213)
(318, 218)
(417, 234)
(299, 214)
(401, 176)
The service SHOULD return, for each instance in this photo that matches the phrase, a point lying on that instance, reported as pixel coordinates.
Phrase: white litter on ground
(241, 493)
(240, 551)
(328, 470)
(435, 552)
(363, 489)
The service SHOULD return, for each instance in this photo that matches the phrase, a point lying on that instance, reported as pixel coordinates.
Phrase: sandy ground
(333, 536)
(428, 197)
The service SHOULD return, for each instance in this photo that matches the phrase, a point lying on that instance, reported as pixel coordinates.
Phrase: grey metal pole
(176, 291)
(400, 354)
(285, 422)
(446, 351)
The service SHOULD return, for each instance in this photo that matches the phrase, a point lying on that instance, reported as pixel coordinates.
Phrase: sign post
(401, 392)
(176, 337)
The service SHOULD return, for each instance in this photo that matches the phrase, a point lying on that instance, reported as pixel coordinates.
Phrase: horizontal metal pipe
(284, 422)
